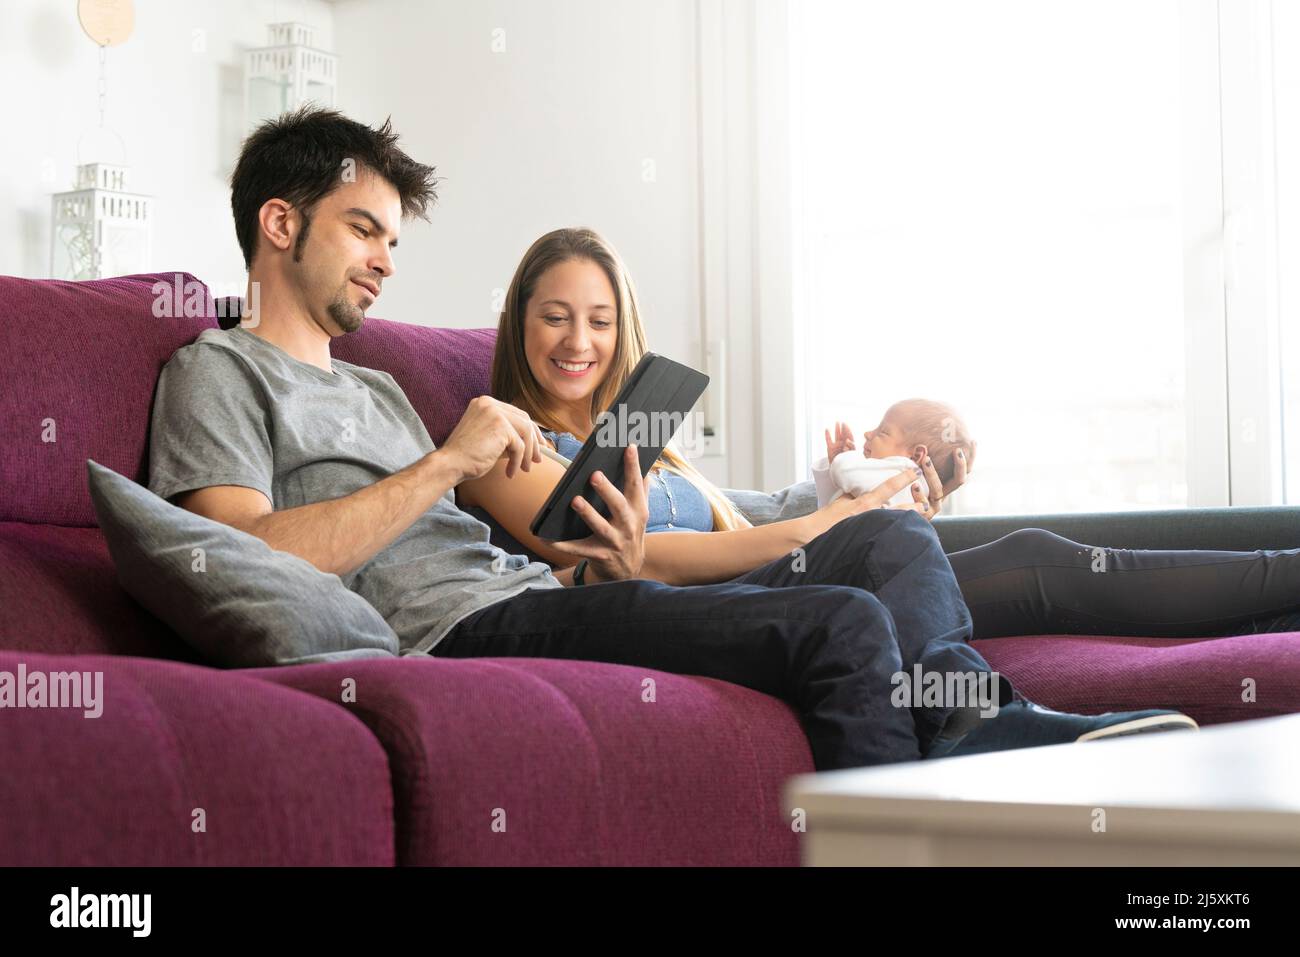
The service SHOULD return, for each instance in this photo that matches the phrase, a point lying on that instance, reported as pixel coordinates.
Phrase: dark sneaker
(1024, 724)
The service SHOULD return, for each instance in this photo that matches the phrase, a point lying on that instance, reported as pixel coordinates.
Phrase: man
(259, 428)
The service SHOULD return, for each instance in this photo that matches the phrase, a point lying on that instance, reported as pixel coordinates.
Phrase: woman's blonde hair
(513, 380)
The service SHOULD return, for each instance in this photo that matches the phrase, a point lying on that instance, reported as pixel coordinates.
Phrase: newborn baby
(910, 431)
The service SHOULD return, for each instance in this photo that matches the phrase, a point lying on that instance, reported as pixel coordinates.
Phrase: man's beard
(347, 315)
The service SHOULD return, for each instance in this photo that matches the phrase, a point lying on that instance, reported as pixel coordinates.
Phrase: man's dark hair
(301, 157)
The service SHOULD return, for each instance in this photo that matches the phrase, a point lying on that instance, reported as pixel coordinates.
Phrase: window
(1284, 166)
(1018, 207)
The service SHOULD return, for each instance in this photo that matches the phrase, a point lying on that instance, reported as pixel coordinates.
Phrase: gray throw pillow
(236, 600)
(762, 508)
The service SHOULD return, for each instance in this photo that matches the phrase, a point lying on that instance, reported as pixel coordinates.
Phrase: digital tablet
(649, 410)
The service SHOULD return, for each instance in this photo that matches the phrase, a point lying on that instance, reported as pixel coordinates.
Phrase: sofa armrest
(1238, 529)
(1226, 529)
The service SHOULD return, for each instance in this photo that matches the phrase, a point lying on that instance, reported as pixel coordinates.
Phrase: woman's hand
(878, 497)
(614, 551)
(929, 506)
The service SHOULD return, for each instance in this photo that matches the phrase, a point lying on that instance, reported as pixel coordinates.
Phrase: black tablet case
(656, 385)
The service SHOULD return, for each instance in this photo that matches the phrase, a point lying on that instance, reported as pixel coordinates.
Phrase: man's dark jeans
(825, 628)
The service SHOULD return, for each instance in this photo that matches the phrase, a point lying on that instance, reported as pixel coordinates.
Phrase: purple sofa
(193, 765)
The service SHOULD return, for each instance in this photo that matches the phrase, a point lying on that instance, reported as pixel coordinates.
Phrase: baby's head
(915, 428)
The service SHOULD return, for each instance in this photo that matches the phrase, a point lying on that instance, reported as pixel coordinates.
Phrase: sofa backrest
(440, 370)
(82, 360)
(81, 363)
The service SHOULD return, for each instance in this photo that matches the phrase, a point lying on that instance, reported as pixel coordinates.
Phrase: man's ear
(278, 223)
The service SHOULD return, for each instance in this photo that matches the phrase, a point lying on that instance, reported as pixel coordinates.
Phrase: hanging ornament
(98, 228)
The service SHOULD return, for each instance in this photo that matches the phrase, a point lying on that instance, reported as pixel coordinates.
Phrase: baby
(910, 431)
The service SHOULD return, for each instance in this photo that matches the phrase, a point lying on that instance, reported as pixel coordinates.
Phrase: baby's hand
(843, 441)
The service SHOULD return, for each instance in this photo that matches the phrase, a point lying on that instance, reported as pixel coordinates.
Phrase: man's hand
(614, 551)
(489, 431)
(843, 441)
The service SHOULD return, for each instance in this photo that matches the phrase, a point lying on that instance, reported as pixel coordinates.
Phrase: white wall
(175, 95)
(589, 116)
(556, 130)
(541, 115)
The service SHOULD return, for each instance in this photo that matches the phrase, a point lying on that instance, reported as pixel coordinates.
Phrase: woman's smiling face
(570, 330)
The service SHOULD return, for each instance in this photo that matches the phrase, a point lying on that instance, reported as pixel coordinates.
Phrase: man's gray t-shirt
(234, 409)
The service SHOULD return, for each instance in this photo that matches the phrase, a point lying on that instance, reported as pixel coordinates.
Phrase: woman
(569, 335)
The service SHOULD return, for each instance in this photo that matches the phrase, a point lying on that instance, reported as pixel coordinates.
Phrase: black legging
(1035, 582)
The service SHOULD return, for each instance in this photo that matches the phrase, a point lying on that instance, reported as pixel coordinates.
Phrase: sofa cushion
(1205, 678)
(574, 760)
(81, 360)
(187, 766)
(59, 594)
(233, 598)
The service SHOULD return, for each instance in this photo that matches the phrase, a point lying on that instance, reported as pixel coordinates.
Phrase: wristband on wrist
(579, 571)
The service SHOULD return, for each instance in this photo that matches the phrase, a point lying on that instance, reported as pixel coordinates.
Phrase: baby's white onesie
(852, 473)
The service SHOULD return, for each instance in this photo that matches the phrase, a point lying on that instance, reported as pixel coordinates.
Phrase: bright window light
(992, 215)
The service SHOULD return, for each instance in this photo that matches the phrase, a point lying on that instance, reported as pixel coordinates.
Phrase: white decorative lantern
(98, 228)
(287, 73)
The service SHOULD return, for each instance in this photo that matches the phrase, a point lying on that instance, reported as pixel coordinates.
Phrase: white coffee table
(1225, 795)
